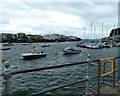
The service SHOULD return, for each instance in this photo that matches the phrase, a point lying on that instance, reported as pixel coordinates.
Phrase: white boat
(70, 50)
(100, 45)
(45, 45)
(106, 45)
(118, 44)
(93, 46)
(114, 44)
(26, 43)
(8, 44)
(33, 56)
(81, 44)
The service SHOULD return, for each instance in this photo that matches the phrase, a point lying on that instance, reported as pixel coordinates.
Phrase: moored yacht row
(98, 45)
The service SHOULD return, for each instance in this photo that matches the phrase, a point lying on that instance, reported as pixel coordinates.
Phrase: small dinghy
(5, 49)
(81, 44)
(70, 50)
(8, 44)
(26, 43)
(45, 45)
(28, 56)
(93, 46)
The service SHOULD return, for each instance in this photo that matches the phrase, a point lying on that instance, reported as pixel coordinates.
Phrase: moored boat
(106, 45)
(8, 44)
(81, 44)
(93, 46)
(28, 56)
(26, 43)
(114, 44)
(70, 50)
(45, 45)
(5, 49)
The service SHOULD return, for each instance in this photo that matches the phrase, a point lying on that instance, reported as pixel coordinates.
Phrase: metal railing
(7, 75)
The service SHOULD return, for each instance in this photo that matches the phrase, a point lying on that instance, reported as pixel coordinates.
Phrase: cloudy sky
(81, 19)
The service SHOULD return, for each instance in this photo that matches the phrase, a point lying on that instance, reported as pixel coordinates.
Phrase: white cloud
(67, 18)
(59, 1)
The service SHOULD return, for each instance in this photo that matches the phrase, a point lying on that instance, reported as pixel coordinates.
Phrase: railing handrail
(52, 67)
(7, 73)
(49, 67)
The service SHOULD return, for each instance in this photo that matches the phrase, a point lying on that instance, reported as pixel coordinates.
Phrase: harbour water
(28, 83)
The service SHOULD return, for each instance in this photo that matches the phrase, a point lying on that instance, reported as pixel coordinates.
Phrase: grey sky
(68, 18)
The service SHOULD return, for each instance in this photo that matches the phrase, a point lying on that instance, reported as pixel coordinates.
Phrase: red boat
(5, 49)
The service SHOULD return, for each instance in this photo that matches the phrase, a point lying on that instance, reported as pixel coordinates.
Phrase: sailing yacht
(93, 45)
(81, 44)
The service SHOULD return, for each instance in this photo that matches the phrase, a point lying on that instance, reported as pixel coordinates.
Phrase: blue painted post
(7, 76)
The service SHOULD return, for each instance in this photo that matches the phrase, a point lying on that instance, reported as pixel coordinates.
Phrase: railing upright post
(87, 77)
(119, 70)
(104, 71)
(119, 47)
(114, 73)
(6, 76)
(98, 88)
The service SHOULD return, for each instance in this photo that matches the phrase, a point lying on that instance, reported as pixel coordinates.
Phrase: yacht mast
(91, 29)
(102, 29)
(84, 33)
(118, 31)
(94, 32)
(114, 32)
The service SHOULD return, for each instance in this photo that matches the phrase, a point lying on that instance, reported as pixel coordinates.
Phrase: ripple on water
(33, 82)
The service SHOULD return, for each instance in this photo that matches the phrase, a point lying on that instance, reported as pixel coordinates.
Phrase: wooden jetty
(110, 90)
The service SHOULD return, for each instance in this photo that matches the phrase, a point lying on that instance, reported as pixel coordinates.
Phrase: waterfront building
(29, 36)
(6, 36)
(21, 35)
(14, 36)
(52, 37)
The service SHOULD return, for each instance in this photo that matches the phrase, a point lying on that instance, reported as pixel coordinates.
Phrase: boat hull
(81, 45)
(93, 47)
(5, 49)
(8, 44)
(32, 56)
(71, 52)
(45, 45)
(26, 44)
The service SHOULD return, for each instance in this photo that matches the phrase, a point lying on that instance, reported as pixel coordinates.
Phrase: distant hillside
(115, 32)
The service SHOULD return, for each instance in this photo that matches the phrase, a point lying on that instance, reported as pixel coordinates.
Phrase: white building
(52, 37)
(21, 35)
